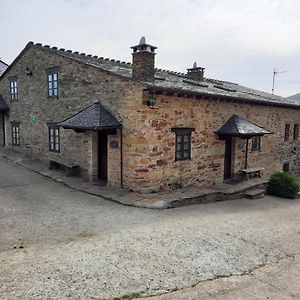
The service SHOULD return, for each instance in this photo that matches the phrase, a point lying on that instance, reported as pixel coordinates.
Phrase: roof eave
(91, 128)
(28, 45)
(152, 87)
(241, 135)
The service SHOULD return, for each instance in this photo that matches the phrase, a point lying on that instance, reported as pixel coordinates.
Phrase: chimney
(196, 73)
(143, 61)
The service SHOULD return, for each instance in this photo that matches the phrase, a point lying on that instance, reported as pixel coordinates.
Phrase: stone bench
(252, 172)
(255, 194)
(71, 168)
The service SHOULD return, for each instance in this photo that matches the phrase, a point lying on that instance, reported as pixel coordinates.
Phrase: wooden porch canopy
(3, 106)
(240, 127)
(237, 126)
(93, 118)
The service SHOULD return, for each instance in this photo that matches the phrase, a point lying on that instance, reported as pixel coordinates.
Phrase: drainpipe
(121, 156)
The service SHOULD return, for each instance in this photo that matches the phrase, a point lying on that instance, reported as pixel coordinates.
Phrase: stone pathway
(170, 199)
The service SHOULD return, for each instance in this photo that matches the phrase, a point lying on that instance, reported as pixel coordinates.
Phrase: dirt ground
(58, 243)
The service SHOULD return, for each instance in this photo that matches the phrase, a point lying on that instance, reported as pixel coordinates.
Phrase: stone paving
(179, 197)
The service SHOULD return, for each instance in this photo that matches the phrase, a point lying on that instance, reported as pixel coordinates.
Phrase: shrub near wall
(282, 184)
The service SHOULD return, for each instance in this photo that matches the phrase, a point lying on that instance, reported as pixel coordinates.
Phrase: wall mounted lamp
(28, 72)
(151, 100)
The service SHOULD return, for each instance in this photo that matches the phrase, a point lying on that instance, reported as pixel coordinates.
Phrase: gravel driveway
(57, 243)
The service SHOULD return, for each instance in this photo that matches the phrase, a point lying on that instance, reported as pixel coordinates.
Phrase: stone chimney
(143, 61)
(196, 73)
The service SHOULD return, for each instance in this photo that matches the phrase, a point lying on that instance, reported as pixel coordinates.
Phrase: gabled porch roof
(241, 127)
(95, 117)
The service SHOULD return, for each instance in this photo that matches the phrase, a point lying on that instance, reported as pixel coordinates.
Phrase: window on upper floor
(296, 132)
(287, 132)
(52, 80)
(54, 138)
(256, 143)
(15, 133)
(13, 88)
(183, 143)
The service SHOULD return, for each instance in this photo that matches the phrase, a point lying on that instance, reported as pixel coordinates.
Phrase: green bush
(284, 185)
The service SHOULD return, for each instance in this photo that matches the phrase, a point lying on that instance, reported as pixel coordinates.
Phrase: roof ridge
(82, 54)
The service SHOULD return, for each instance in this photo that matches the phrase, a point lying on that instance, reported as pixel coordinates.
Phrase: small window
(286, 167)
(52, 79)
(15, 133)
(183, 143)
(13, 87)
(287, 132)
(256, 142)
(296, 131)
(54, 138)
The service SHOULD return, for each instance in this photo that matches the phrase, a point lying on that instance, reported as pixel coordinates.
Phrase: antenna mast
(275, 73)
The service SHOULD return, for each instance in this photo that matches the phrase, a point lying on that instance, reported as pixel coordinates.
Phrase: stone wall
(80, 85)
(2, 137)
(148, 142)
(152, 148)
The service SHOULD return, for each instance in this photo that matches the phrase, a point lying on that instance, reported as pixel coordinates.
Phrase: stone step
(255, 194)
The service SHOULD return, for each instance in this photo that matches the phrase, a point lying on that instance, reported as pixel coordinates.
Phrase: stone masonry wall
(80, 85)
(154, 145)
(148, 143)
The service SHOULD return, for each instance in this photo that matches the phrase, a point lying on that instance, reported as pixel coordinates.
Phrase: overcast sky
(239, 41)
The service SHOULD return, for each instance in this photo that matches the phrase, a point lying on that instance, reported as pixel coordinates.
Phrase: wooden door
(102, 156)
(228, 158)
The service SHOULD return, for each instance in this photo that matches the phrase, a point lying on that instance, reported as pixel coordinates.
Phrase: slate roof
(175, 82)
(94, 117)
(3, 66)
(239, 126)
(3, 106)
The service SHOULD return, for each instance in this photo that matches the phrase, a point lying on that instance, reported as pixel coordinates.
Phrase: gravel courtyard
(58, 243)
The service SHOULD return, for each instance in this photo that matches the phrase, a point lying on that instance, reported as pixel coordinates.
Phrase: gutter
(178, 91)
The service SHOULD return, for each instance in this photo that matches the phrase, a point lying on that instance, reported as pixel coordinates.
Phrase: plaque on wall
(114, 144)
(33, 120)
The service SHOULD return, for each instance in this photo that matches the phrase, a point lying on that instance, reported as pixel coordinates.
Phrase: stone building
(139, 127)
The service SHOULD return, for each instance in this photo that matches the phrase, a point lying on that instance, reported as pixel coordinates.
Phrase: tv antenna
(275, 73)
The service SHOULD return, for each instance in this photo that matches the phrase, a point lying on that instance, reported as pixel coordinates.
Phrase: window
(13, 87)
(52, 78)
(54, 138)
(296, 131)
(286, 167)
(15, 133)
(287, 132)
(182, 143)
(256, 143)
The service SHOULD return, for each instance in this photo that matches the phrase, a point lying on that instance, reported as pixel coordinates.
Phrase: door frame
(228, 158)
(102, 154)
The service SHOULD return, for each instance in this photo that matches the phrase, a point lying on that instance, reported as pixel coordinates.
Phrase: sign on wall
(33, 120)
